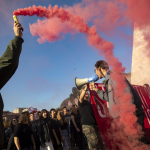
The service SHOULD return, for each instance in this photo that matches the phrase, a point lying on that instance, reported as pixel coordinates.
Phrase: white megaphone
(80, 82)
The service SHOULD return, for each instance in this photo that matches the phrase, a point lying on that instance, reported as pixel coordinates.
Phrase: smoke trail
(108, 16)
(50, 30)
(126, 124)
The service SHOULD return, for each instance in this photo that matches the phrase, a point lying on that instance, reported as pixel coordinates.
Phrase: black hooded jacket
(44, 131)
(34, 125)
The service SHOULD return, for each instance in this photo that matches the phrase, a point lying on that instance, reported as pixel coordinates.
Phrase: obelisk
(140, 73)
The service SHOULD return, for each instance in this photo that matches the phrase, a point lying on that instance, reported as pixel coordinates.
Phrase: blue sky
(46, 72)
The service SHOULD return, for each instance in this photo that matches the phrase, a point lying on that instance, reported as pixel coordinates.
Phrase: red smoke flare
(125, 127)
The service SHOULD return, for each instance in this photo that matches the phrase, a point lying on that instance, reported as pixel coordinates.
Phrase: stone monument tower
(140, 72)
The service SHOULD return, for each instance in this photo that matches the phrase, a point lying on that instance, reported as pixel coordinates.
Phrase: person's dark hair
(52, 110)
(31, 113)
(146, 85)
(48, 115)
(6, 124)
(73, 110)
(61, 118)
(75, 105)
(43, 111)
(17, 118)
(24, 117)
(38, 113)
(103, 64)
(64, 107)
(12, 126)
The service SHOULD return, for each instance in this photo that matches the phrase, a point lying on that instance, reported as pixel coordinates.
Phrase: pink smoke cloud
(50, 30)
(107, 16)
(100, 13)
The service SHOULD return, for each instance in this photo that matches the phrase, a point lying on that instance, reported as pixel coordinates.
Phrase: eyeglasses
(14, 120)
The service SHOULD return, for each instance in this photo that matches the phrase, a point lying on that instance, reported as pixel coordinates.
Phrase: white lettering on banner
(147, 117)
(144, 103)
(148, 111)
(99, 110)
(101, 85)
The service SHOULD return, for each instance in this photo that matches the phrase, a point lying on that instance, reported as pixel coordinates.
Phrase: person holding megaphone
(102, 71)
(89, 124)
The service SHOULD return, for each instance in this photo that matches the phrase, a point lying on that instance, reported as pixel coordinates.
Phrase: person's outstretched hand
(18, 29)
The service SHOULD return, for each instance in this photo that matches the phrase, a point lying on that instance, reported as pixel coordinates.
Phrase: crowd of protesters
(60, 129)
(52, 130)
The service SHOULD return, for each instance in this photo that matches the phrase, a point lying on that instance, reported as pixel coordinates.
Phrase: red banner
(100, 108)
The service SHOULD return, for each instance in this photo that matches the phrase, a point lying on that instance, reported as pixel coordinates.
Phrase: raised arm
(82, 94)
(10, 58)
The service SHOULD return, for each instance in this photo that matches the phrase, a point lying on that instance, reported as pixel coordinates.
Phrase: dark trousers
(141, 122)
(78, 139)
(37, 144)
(28, 148)
(1, 124)
(58, 147)
(72, 140)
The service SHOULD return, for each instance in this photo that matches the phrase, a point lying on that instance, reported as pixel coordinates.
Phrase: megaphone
(80, 82)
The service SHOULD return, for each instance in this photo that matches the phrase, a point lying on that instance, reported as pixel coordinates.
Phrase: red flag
(104, 120)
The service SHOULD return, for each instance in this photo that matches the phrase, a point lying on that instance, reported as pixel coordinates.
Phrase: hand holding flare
(18, 29)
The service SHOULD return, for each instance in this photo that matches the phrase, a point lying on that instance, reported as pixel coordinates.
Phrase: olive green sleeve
(9, 60)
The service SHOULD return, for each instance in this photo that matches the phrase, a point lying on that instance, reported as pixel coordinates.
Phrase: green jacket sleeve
(9, 60)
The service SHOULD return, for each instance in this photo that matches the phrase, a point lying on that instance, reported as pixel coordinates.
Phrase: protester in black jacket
(9, 132)
(34, 125)
(75, 126)
(64, 126)
(56, 130)
(44, 131)
(8, 65)
(23, 136)
(11, 129)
